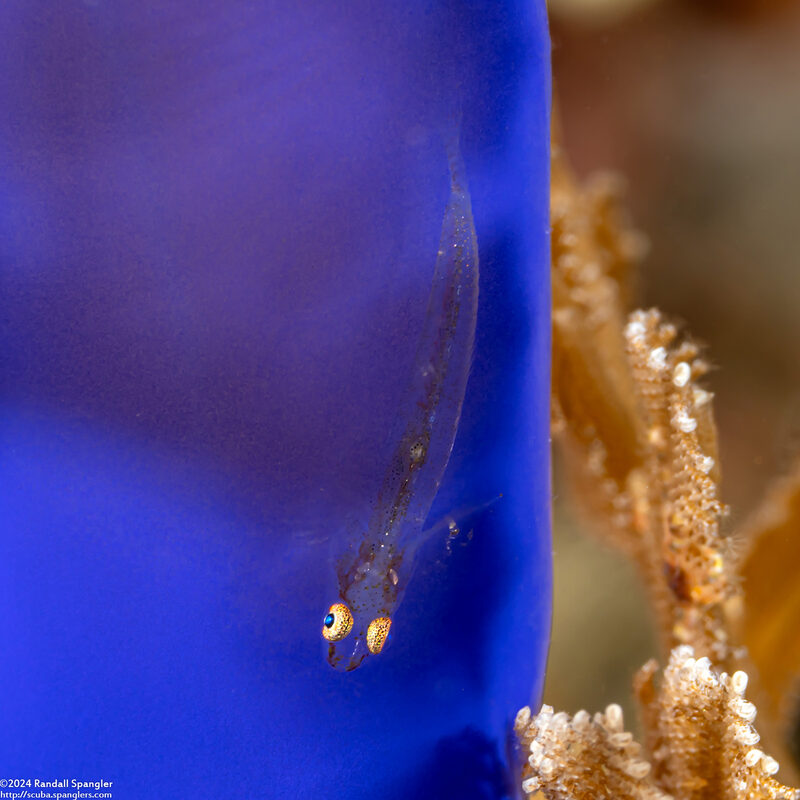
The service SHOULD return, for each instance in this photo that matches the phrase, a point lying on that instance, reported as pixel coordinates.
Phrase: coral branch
(636, 428)
(637, 434)
(701, 743)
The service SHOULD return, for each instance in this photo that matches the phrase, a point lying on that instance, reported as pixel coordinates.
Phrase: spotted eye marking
(338, 622)
(377, 632)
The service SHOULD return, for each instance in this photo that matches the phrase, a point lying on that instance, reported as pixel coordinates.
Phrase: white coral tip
(581, 719)
(637, 769)
(739, 682)
(683, 422)
(705, 464)
(614, 717)
(745, 710)
(681, 374)
(753, 757)
(560, 721)
(747, 736)
(546, 767)
(769, 765)
(634, 331)
(531, 785)
(657, 359)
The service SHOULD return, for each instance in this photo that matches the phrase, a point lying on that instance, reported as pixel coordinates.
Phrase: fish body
(372, 576)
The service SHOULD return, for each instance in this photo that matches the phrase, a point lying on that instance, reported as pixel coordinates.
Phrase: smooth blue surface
(218, 225)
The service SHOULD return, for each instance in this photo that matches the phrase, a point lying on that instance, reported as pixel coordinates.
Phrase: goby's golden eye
(338, 622)
(377, 632)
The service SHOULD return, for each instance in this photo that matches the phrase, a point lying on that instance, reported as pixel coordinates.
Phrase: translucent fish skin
(218, 228)
(373, 575)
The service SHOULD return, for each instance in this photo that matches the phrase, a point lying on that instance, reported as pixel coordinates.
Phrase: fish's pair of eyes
(338, 623)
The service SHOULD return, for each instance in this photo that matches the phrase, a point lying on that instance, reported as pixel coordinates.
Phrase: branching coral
(701, 742)
(676, 512)
(636, 427)
(639, 445)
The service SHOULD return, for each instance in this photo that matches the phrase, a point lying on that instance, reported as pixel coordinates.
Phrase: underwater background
(218, 226)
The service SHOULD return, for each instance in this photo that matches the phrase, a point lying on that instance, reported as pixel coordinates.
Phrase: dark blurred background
(697, 105)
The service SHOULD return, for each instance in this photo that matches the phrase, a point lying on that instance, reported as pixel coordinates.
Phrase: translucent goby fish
(372, 573)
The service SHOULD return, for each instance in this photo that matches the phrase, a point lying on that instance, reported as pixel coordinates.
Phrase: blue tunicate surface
(218, 226)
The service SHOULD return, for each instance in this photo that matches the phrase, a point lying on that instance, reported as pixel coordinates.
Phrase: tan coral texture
(639, 448)
(702, 743)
